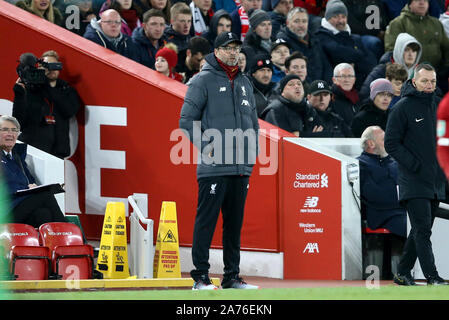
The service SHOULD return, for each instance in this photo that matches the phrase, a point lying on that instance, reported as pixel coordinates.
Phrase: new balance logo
(311, 247)
(212, 188)
(311, 202)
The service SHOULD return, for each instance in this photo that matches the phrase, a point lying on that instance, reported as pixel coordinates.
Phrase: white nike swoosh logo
(419, 120)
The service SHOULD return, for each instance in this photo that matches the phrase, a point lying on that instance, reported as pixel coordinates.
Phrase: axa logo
(311, 247)
(311, 202)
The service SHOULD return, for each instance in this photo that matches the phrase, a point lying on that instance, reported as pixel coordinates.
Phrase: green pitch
(390, 292)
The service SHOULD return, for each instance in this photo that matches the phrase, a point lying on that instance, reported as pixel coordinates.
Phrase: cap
(225, 38)
(319, 86)
(278, 43)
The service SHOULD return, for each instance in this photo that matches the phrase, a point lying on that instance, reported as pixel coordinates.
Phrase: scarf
(326, 25)
(131, 18)
(231, 71)
(244, 21)
(352, 95)
(199, 25)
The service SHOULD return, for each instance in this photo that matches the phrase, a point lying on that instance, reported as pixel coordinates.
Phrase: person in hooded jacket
(411, 139)
(220, 22)
(375, 111)
(106, 32)
(415, 20)
(407, 52)
(219, 99)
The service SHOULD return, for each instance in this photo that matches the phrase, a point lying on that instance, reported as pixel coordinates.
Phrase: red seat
(28, 260)
(71, 258)
(380, 230)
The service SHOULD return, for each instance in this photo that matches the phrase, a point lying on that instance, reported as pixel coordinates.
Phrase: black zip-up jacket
(410, 138)
(32, 105)
(369, 115)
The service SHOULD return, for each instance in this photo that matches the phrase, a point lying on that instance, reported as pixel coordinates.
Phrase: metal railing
(141, 249)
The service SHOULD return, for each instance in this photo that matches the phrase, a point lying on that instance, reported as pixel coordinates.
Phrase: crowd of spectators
(345, 44)
(329, 68)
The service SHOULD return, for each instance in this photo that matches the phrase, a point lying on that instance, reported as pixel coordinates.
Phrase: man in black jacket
(106, 32)
(33, 208)
(411, 140)
(150, 36)
(44, 110)
(220, 100)
(319, 98)
(290, 111)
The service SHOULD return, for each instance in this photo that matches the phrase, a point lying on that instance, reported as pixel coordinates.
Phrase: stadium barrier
(141, 249)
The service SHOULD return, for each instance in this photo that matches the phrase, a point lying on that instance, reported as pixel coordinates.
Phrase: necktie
(8, 155)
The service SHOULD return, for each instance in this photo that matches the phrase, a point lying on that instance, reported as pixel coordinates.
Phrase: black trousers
(227, 193)
(421, 213)
(38, 209)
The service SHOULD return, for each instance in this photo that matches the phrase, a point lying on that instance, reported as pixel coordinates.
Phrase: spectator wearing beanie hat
(166, 60)
(341, 45)
(279, 15)
(260, 74)
(375, 111)
(290, 110)
(258, 38)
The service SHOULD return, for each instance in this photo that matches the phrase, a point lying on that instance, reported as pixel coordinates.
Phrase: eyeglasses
(230, 49)
(110, 22)
(346, 77)
(12, 130)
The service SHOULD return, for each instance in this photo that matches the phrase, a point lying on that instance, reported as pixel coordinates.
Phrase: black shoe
(437, 281)
(404, 280)
(237, 283)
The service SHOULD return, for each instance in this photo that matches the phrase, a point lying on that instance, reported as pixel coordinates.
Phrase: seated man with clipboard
(29, 203)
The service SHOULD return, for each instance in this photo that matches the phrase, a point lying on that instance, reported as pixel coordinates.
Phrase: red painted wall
(153, 104)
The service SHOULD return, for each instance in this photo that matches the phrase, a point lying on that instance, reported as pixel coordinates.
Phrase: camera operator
(44, 105)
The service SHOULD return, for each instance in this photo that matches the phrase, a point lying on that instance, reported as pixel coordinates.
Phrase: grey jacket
(220, 118)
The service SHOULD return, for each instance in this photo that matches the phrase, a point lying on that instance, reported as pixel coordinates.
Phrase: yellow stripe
(100, 284)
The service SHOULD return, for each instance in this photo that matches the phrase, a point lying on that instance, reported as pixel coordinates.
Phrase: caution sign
(166, 255)
(113, 256)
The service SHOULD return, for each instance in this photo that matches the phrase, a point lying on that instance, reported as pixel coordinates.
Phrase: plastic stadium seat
(380, 230)
(71, 258)
(28, 260)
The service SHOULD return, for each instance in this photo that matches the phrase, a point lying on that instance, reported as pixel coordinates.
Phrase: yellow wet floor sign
(113, 255)
(166, 255)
